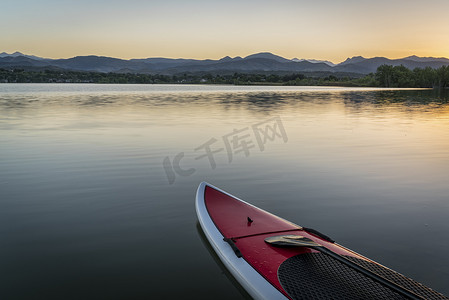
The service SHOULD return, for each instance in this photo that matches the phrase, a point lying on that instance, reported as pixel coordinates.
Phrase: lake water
(89, 209)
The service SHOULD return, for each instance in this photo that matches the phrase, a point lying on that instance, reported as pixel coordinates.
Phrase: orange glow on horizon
(323, 30)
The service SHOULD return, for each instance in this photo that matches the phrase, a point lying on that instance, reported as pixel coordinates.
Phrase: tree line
(385, 76)
(400, 76)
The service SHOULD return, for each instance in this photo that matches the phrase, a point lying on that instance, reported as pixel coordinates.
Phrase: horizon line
(241, 56)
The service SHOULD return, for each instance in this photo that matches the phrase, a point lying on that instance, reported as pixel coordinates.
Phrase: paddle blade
(291, 241)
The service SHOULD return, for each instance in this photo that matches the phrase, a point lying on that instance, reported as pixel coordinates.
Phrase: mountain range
(263, 62)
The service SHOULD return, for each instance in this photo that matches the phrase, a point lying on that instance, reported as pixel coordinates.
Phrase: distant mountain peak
(357, 57)
(15, 54)
(426, 59)
(262, 53)
(18, 54)
(226, 58)
(353, 60)
(314, 61)
(267, 55)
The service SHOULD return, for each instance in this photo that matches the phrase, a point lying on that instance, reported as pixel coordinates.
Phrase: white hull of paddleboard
(247, 276)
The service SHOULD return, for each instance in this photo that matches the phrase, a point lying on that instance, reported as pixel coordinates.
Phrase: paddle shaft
(397, 288)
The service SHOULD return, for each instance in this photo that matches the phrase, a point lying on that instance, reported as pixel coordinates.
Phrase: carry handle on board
(301, 241)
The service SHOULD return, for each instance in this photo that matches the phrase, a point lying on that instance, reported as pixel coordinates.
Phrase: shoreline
(396, 77)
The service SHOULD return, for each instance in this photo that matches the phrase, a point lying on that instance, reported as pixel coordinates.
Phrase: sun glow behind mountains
(331, 30)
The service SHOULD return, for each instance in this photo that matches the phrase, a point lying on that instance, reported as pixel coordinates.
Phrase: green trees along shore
(400, 76)
(385, 76)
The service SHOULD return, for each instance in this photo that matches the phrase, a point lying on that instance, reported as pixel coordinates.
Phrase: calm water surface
(87, 210)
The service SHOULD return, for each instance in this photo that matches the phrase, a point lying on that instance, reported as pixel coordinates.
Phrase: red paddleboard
(275, 259)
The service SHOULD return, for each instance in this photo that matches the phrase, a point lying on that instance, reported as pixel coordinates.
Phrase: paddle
(301, 241)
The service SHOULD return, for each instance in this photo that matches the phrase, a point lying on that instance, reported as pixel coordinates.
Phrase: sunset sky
(320, 29)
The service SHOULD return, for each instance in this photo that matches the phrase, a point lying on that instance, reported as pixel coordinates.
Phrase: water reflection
(265, 101)
(405, 97)
(222, 267)
(83, 188)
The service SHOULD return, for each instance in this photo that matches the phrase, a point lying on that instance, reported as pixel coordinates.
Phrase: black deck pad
(318, 276)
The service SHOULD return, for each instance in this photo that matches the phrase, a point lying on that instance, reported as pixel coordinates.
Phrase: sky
(319, 29)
